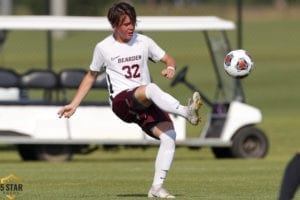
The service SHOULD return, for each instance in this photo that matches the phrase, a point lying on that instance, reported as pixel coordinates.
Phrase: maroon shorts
(127, 108)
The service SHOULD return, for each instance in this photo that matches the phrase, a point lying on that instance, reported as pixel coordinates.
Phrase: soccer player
(291, 179)
(124, 55)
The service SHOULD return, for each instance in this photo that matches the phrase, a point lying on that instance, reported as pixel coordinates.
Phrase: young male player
(124, 55)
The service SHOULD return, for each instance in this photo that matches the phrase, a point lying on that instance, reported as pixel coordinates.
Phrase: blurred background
(166, 7)
(270, 31)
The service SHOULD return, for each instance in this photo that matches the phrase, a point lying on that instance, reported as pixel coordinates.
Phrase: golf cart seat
(8, 78)
(39, 79)
(44, 81)
(9, 85)
(71, 78)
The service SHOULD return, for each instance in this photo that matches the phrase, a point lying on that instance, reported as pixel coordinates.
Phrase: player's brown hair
(116, 14)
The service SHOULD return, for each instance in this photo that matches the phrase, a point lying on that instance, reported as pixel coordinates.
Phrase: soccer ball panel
(238, 63)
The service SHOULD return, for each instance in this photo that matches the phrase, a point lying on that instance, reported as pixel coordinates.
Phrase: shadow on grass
(9, 154)
(138, 195)
(132, 195)
(108, 160)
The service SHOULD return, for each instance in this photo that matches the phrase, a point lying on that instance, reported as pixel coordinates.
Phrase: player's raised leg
(193, 108)
(171, 105)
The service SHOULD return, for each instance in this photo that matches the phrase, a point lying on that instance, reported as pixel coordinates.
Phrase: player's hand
(67, 111)
(168, 72)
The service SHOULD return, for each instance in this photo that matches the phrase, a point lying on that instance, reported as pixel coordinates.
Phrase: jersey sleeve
(156, 53)
(97, 63)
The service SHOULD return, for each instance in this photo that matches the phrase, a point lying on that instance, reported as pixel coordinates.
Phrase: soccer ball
(238, 63)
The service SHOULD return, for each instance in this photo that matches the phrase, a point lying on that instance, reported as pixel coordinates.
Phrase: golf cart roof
(145, 23)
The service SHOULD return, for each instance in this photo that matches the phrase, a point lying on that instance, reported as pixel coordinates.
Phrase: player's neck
(119, 39)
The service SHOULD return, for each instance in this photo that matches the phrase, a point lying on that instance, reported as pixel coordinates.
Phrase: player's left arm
(170, 69)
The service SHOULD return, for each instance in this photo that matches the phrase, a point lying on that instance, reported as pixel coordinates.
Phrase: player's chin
(130, 35)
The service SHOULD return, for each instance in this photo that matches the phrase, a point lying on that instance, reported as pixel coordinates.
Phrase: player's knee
(171, 134)
(167, 140)
(151, 89)
(152, 85)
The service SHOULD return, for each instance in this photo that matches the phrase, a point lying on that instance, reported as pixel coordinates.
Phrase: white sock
(164, 157)
(164, 100)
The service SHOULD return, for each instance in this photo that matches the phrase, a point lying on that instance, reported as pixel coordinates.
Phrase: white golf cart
(39, 134)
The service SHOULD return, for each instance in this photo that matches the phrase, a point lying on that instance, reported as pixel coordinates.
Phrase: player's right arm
(170, 63)
(85, 85)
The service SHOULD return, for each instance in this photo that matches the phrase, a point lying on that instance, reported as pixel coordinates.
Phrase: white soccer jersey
(125, 63)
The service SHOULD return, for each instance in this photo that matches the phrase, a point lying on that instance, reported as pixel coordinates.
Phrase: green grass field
(127, 174)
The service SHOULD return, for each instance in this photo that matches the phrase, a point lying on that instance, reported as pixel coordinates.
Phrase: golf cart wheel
(249, 142)
(27, 152)
(54, 152)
